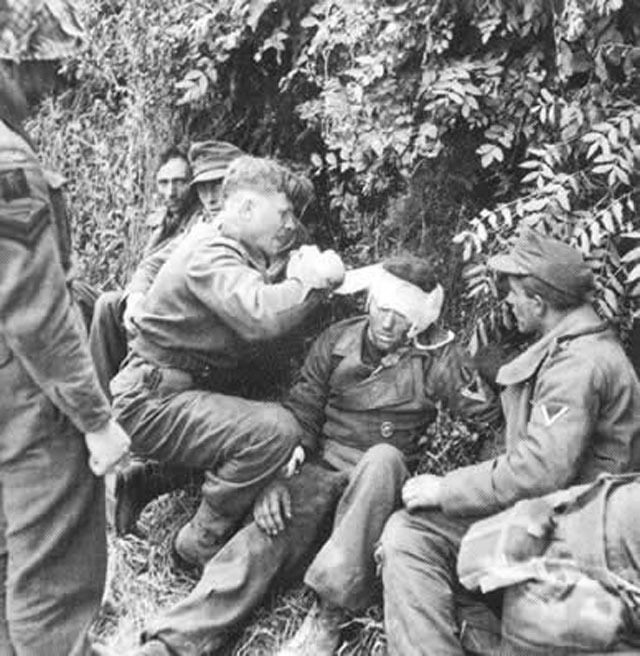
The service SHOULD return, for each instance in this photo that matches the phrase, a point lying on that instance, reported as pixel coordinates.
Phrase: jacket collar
(581, 321)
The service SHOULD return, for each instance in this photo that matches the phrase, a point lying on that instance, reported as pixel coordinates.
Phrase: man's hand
(273, 508)
(315, 269)
(422, 492)
(107, 447)
(132, 309)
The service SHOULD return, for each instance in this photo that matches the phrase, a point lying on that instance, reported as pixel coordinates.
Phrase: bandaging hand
(107, 447)
(315, 269)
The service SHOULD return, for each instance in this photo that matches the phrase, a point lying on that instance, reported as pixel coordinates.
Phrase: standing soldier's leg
(5, 642)
(54, 508)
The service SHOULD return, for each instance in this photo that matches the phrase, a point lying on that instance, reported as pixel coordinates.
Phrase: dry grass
(143, 581)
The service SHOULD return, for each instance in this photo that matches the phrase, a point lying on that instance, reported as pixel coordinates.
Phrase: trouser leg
(5, 642)
(107, 337)
(54, 509)
(240, 443)
(343, 573)
(238, 577)
(418, 553)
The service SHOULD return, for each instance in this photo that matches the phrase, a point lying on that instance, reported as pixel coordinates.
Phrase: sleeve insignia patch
(474, 390)
(13, 185)
(24, 225)
(551, 413)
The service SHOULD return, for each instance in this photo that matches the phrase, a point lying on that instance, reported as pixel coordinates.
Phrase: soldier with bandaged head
(57, 434)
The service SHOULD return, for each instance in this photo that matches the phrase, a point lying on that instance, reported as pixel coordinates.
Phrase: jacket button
(387, 429)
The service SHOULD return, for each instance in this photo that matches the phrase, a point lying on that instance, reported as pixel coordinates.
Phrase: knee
(396, 537)
(385, 460)
(282, 427)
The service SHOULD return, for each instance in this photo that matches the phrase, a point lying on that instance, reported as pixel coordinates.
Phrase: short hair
(257, 174)
(413, 269)
(557, 299)
(300, 191)
(173, 152)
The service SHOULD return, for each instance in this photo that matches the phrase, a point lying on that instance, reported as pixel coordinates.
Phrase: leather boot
(139, 483)
(200, 539)
(319, 633)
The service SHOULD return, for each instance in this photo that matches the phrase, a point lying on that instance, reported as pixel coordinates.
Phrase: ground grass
(143, 580)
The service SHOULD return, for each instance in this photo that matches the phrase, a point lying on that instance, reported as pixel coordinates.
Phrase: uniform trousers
(237, 579)
(422, 596)
(239, 444)
(53, 526)
(107, 337)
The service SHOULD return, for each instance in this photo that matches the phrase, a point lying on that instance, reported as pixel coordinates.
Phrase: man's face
(209, 194)
(271, 224)
(173, 183)
(387, 328)
(525, 308)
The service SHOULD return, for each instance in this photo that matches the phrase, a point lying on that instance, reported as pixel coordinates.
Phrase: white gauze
(420, 308)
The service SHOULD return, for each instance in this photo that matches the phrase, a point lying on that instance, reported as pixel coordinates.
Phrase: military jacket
(353, 405)
(212, 301)
(572, 408)
(42, 344)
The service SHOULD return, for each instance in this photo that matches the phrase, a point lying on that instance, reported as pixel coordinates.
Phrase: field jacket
(572, 408)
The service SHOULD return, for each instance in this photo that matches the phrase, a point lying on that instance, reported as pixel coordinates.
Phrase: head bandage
(420, 308)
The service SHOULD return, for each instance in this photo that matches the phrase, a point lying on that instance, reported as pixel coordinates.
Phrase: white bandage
(420, 308)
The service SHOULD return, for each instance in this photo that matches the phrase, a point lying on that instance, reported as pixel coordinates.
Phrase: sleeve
(149, 267)
(547, 455)
(452, 378)
(241, 297)
(37, 318)
(308, 397)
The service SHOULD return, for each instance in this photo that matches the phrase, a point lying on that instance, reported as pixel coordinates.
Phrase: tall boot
(140, 482)
(200, 539)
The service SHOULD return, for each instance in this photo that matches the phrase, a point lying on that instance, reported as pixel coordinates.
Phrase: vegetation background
(435, 126)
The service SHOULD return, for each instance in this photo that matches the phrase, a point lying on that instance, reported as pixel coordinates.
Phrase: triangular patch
(551, 414)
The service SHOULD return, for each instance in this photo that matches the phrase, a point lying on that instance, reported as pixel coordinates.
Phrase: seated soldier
(178, 213)
(572, 408)
(366, 393)
(209, 305)
(143, 480)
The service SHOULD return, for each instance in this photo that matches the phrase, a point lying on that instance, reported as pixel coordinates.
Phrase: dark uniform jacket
(346, 404)
(42, 344)
(572, 408)
(212, 301)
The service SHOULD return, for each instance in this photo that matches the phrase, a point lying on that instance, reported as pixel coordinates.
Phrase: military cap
(209, 159)
(559, 265)
(46, 30)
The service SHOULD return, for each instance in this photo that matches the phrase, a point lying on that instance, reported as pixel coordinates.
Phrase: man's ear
(540, 305)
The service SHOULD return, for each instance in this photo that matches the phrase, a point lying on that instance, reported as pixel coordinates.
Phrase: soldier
(53, 565)
(571, 403)
(210, 305)
(114, 310)
(365, 395)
